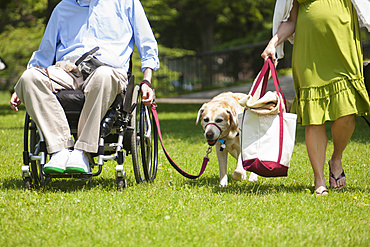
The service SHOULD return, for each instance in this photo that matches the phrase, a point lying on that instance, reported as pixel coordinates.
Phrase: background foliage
(181, 27)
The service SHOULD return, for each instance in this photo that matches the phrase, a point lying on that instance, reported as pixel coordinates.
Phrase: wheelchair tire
(34, 139)
(135, 140)
(31, 140)
(149, 143)
(144, 141)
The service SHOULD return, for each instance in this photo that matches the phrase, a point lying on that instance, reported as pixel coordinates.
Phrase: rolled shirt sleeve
(144, 38)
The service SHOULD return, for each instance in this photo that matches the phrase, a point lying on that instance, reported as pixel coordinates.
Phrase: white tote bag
(267, 131)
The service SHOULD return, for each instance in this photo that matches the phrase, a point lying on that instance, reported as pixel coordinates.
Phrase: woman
(328, 77)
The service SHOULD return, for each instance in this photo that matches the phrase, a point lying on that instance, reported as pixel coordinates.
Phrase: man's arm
(148, 92)
(148, 50)
(144, 38)
(44, 56)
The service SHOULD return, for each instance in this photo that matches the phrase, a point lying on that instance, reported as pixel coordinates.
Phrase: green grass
(175, 211)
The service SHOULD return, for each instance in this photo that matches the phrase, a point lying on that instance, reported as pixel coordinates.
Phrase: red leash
(177, 168)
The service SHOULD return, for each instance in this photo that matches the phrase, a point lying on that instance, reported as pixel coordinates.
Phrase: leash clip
(209, 150)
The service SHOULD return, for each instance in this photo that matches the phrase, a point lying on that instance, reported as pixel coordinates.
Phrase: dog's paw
(239, 175)
(253, 177)
(223, 182)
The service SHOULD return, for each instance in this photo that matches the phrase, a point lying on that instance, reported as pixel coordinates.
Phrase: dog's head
(219, 120)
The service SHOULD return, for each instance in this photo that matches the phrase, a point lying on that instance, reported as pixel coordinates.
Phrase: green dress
(327, 62)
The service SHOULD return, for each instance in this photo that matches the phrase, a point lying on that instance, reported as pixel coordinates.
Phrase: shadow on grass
(211, 183)
(6, 110)
(66, 185)
(12, 184)
(259, 187)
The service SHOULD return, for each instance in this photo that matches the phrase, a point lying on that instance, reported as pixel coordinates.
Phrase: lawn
(175, 211)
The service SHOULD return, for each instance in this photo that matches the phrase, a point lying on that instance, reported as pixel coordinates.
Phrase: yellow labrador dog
(219, 119)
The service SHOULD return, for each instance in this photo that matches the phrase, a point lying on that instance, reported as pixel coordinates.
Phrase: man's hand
(15, 102)
(148, 94)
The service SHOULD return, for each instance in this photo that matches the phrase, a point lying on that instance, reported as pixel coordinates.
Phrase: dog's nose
(209, 135)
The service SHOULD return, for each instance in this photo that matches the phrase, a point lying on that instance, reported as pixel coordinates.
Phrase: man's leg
(35, 90)
(101, 89)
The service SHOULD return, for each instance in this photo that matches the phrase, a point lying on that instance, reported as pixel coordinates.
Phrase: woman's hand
(270, 51)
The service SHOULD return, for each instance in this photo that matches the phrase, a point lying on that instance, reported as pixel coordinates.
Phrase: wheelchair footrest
(26, 171)
(75, 175)
(120, 173)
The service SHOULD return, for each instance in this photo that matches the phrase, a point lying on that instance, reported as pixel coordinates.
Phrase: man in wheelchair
(76, 27)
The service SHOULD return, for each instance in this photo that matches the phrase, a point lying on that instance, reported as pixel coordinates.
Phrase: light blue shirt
(76, 27)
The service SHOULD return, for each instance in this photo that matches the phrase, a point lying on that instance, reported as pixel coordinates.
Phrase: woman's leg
(342, 131)
(316, 141)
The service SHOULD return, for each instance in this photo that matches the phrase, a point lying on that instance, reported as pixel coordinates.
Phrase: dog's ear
(201, 110)
(233, 116)
(234, 123)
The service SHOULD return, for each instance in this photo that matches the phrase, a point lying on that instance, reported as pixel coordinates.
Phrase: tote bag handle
(267, 67)
(265, 71)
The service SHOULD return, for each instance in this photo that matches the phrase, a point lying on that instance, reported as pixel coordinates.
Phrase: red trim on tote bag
(265, 168)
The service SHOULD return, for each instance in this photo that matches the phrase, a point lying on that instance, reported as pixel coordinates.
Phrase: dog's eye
(206, 119)
(219, 120)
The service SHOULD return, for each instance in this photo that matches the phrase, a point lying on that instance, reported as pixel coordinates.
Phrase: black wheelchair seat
(72, 102)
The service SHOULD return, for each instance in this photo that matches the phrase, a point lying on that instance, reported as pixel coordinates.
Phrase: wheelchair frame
(136, 134)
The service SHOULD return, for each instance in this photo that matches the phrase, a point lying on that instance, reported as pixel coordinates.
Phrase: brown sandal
(342, 175)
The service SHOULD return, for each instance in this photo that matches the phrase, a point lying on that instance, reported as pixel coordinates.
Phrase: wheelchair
(132, 131)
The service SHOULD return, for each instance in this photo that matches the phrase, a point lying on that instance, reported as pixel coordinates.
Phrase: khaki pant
(36, 89)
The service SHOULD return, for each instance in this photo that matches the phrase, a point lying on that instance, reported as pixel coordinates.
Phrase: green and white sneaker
(78, 162)
(57, 162)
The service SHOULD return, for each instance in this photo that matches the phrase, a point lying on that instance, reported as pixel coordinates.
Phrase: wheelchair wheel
(34, 146)
(144, 141)
(149, 143)
(34, 139)
(135, 140)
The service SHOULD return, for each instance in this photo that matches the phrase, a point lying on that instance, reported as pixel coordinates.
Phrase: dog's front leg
(222, 165)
